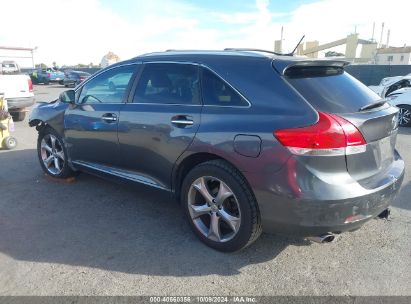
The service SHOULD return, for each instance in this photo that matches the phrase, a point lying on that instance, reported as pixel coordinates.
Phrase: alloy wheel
(52, 154)
(214, 209)
(404, 117)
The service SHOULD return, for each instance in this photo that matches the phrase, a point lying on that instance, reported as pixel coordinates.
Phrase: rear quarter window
(217, 92)
(330, 89)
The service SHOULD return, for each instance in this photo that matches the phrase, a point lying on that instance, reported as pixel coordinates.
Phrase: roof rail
(255, 50)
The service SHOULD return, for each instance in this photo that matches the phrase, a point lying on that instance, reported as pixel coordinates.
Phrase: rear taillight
(30, 83)
(48, 75)
(330, 135)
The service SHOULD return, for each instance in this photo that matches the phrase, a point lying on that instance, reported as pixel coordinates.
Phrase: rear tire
(228, 220)
(52, 154)
(18, 116)
(10, 142)
(404, 116)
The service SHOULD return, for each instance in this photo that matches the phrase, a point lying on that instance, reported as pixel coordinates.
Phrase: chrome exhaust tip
(325, 238)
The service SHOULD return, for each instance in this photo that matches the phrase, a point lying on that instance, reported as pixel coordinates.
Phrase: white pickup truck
(18, 91)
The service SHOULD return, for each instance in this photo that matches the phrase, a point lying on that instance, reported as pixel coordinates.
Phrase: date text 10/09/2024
(205, 299)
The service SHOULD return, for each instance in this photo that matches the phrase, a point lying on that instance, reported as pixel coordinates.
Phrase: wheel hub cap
(52, 154)
(404, 117)
(214, 209)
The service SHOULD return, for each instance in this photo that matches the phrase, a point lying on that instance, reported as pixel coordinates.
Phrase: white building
(394, 55)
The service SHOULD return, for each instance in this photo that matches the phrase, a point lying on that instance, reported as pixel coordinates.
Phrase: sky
(83, 31)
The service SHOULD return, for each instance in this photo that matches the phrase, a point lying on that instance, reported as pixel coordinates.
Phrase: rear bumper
(20, 103)
(320, 207)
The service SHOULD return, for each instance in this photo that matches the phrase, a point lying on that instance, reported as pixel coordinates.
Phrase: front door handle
(109, 117)
(182, 121)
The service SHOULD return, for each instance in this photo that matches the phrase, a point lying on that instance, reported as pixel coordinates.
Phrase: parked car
(18, 92)
(74, 78)
(248, 141)
(391, 84)
(46, 76)
(9, 67)
(402, 99)
(118, 82)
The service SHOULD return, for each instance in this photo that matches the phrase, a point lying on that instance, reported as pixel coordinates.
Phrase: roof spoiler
(282, 65)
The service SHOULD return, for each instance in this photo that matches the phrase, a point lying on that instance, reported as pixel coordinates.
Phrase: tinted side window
(219, 93)
(168, 83)
(108, 87)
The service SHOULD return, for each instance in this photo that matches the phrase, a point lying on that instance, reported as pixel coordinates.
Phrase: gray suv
(247, 141)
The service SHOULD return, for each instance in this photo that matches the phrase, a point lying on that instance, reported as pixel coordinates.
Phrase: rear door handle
(182, 120)
(109, 117)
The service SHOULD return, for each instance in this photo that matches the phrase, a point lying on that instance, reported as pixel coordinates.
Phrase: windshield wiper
(373, 105)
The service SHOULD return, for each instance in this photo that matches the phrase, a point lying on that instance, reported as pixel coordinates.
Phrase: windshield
(9, 65)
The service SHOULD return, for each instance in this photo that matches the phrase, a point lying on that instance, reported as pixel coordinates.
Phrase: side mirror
(68, 96)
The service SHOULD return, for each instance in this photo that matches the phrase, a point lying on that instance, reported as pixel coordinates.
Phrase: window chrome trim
(212, 71)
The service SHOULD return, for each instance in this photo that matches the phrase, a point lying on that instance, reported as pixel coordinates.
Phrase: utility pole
(382, 32)
(281, 45)
(388, 38)
(32, 56)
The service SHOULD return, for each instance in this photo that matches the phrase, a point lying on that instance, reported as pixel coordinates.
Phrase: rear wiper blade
(373, 105)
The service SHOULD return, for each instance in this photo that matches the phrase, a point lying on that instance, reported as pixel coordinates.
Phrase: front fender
(51, 114)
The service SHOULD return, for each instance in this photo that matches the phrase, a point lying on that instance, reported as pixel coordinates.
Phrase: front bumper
(344, 207)
(20, 103)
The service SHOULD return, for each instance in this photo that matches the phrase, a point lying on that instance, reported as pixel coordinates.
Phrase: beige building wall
(351, 46)
(278, 46)
(312, 44)
(368, 51)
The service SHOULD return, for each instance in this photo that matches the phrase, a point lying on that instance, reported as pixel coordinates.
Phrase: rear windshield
(330, 89)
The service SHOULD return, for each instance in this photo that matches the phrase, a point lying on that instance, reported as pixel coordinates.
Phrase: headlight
(392, 97)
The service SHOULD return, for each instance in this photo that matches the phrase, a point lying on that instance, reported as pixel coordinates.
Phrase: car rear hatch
(343, 101)
(16, 86)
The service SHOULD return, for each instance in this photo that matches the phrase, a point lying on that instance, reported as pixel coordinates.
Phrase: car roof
(207, 56)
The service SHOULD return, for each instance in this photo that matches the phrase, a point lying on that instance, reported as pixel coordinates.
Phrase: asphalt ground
(93, 237)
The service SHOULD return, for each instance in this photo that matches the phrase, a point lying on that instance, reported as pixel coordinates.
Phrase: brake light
(48, 75)
(30, 83)
(330, 135)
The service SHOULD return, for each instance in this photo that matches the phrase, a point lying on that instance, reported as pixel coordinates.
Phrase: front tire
(220, 206)
(404, 116)
(53, 154)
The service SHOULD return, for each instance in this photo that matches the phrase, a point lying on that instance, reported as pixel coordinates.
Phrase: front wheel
(220, 206)
(52, 154)
(404, 119)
